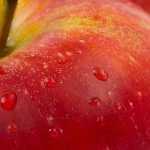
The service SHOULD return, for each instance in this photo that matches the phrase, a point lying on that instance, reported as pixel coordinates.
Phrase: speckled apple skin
(51, 72)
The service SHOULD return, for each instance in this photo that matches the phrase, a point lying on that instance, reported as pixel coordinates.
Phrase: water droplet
(55, 133)
(82, 41)
(109, 93)
(119, 106)
(131, 104)
(136, 127)
(8, 101)
(45, 65)
(12, 128)
(2, 72)
(95, 101)
(139, 95)
(44, 82)
(100, 119)
(50, 120)
(61, 58)
(100, 74)
(107, 147)
(68, 53)
(79, 51)
(51, 82)
(26, 92)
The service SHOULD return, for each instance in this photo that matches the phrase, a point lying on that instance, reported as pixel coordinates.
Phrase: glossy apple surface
(145, 4)
(76, 77)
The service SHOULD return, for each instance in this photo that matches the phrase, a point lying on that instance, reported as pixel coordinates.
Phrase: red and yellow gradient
(78, 75)
(48, 15)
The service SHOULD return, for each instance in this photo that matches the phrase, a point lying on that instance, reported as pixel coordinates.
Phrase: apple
(145, 4)
(74, 75)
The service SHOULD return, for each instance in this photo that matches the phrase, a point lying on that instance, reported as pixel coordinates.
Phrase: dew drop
(139, 95)
(50, 120)
(131, 104)
(107, 147)
(68, 53)
(119, 107)
(51, 82)
(12, 128)
(26, 92)
(100, 74)
(45, 65)
(82, 41)
(55, 133)
(136, 127)
(100, 119)
(61, 58)
(79, 51)
(8, 101)
(44, 82)
(109, 93)
(95, 102)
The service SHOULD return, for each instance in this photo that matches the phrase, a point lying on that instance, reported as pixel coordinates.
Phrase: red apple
(3, 8)
(74, 75)
(144, 4)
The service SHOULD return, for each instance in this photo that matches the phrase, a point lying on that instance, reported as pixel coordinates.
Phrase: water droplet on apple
(50, 120)
(110, 93)
(79, 51)
(45, 65)
(51, 82)
(136, 126)
(55, 133)
(12, 128)
(26, 92)
(8, 101)
(139, 95)
(131, 104)
(100, 74)
(61, 58)
(95, 102)
(44, 82)
(68, 53)
(100, 119)
(82, 41)
(107, 147)
(119, 106)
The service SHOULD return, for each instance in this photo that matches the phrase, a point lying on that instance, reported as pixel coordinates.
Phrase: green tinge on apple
(42, 17)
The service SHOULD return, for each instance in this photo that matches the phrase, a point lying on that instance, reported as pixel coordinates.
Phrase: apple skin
(83, 85)
(145, 4)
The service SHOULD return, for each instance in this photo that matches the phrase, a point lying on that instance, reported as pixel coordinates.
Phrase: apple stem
(7, 25)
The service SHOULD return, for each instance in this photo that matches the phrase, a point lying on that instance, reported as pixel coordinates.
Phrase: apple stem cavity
(11, 7)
